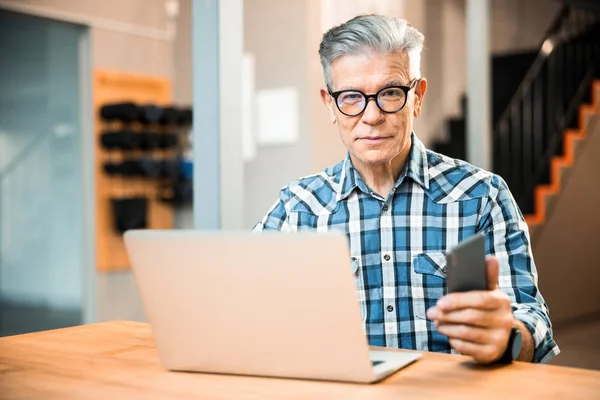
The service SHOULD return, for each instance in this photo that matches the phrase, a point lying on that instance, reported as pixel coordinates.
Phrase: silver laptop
(269, 304)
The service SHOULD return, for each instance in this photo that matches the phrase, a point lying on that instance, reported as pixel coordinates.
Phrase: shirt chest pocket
(431, 263)
(428, 280)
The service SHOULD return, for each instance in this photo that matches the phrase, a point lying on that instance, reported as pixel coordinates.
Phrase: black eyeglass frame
(405, 89)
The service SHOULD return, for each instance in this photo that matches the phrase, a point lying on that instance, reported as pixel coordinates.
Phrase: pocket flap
(431, 263)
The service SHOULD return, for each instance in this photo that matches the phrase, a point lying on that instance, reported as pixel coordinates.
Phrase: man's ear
(420, 90)
(328, 101)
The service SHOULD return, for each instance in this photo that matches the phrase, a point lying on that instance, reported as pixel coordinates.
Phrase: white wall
(325, 146)
(520, 25)
(134, 49)
(454, 57)
(182, 55)
(276, 34)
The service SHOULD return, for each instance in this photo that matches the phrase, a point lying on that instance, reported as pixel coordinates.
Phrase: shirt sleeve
(277, 216)
(507, 238)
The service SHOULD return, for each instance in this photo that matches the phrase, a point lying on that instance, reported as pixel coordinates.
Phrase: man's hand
(478, 323)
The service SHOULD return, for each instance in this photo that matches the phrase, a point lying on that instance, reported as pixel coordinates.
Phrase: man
(402, 207)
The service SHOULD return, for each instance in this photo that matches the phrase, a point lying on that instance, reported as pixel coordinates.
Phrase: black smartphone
(465, 265)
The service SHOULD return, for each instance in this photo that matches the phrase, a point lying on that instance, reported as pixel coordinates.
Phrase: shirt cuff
(545, 346)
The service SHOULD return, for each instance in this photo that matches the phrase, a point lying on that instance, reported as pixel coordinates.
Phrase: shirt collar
(417, 168)
(418, 164)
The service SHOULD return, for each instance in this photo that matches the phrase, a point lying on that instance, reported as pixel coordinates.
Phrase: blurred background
(175, 114)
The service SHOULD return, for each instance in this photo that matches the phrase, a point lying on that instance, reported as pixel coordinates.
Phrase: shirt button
(385, 207)
(386, 257)
(390, 308)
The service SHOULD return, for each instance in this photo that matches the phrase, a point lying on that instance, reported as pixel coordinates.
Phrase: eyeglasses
(390, 99)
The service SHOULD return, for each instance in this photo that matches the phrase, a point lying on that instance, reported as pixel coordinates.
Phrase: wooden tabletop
(117, 360)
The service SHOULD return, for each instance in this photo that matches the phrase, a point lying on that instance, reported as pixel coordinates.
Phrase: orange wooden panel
(109, 87)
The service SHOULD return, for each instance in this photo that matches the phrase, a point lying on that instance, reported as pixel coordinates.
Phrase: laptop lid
(272, 304)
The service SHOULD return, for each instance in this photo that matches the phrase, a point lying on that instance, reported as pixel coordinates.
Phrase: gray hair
(379, 33)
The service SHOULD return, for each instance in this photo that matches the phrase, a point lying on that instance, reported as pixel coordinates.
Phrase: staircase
(541, 104)
(572, 141)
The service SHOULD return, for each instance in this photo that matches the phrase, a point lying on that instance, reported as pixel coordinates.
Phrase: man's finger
(491, 263)
(482, 353)
(465, 316)
(488, 300)
(465, 332)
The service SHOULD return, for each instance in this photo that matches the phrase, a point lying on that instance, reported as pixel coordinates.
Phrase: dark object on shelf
(111, 169)
(150, 168)
(169, 140)
(130, 213)
(129, 140)
(146, 167)
(154, 140)
(181, 193)
(171, 168)
(185, 117)
(187, 169)
(126, 168)
(151, 140)
(150, 114)
(170, 116)
(124, 112)
(143, 167)
(126, 140)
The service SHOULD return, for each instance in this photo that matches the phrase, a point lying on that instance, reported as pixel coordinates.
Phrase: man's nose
(372, 113)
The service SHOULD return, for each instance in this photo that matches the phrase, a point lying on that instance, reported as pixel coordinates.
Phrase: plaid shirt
(398, 243)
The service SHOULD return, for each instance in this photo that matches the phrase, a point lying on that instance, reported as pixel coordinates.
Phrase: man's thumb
(492, 272)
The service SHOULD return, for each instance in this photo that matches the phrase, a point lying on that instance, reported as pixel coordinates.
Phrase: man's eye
(351, 97)
(392, 93)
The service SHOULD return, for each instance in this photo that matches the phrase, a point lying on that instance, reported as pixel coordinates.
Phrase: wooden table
(117, 360)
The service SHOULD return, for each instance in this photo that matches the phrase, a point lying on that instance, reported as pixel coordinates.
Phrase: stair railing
(530, 131)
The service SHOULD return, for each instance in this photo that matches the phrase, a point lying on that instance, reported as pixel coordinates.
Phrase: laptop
(269, 304)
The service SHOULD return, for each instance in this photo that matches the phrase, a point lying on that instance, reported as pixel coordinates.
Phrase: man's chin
(374, 157)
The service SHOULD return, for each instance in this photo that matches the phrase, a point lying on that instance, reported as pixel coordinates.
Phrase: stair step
(561, 166)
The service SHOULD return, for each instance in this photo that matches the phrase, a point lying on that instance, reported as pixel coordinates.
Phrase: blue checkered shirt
(398, 243)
